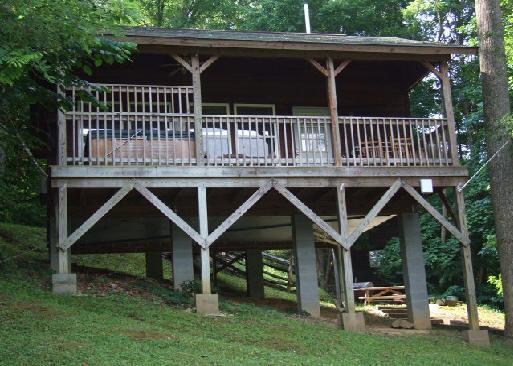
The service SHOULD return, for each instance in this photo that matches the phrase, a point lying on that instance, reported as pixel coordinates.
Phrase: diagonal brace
(102, 211)
(374, 212)
(310, 214)
(237, 214)
(464, 239)
(170, 214)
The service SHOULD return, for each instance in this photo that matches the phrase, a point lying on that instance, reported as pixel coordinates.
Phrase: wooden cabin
(215, 141)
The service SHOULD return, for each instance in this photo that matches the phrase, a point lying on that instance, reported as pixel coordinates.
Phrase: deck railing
(154, 125)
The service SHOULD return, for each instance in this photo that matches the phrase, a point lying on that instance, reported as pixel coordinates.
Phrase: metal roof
(254, 39)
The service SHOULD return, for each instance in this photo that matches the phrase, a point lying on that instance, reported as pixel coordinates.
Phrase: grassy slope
(37, 327)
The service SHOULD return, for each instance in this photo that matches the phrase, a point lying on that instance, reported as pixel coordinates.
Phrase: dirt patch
(35, 308)
(143, 335)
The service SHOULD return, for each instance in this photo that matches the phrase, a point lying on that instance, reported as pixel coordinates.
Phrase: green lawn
(143, 328)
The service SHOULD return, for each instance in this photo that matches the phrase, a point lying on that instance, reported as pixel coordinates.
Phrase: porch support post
(183, 264)
(474, 334)
(414, 272)
(63, 282)
(54, 239)
(350, 319)
(307, 287)
(198, 109)
(333, 107)
(255, 273)
(206, 302)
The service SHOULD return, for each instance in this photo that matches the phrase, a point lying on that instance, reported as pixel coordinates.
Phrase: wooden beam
(169, 213)
(468, 272)
(438, 216)
(387, 196)
(239, 212)
(342, 66)
(62, 150)
(449, 112)
(63, 265)
(433, 69)
(447, 206)
(333, 107)
(346, 276)
(319, 67)
(309, 213)
(198, 109)
(182, 62)
(207, 63)
(205, 253)
(102, 211)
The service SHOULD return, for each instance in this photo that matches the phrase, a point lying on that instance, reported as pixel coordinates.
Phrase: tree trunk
(496, 108)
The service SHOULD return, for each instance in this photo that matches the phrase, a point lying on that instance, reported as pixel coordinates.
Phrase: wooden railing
(394, 141)
(154, 125)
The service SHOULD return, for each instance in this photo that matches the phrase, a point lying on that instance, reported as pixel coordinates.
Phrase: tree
(496, 113)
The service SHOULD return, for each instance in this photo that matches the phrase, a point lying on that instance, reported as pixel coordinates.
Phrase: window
(255, 109)
(313, 137)
(213, 109)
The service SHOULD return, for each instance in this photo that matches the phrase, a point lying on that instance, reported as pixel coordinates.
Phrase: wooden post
(346, 277)
(468, 273)
(198, 109)
(64, 264)
(333, 107)
(61, 133)
(449, 111)
(205, 253)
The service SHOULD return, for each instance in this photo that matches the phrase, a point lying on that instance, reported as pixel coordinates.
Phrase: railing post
(61, 132)
(333, 107)
(449, 112)
(198, 113)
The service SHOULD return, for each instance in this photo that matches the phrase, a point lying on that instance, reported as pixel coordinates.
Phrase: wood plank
(102, 211)
(319, 67)
(254, 198)
(63, 265)
(438, 216)
(387, 196)
(342, 66)
(309, 213)
(169, 213)
(198, 112)
(182, 62)
(449, 112)
(205, 253)
(207, 63)
(333, 107)
(62, 150)
(433, 69)
(468, 272)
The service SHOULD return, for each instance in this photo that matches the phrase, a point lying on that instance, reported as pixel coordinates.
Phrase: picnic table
(383, 293)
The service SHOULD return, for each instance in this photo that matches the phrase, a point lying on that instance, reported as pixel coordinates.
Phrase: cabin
(218, 141)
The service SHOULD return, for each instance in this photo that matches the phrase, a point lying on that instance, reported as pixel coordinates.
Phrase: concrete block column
(307, 287)
(183, 264)
(255, 273)
(414, 272)
(154, 267)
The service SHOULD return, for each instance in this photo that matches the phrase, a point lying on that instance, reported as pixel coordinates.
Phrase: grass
(139, 326)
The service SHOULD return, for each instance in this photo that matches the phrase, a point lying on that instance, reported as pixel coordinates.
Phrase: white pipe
(307, 19)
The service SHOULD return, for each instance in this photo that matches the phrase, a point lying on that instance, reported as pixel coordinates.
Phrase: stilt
(63, 282)
(414, 272)
(255, 273)
(206, 302)
(154, 267)
(474, 335)
(307, 287)
(350, 319)
(183, 263)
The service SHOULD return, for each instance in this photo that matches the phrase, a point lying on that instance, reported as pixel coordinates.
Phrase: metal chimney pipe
(307, 19)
